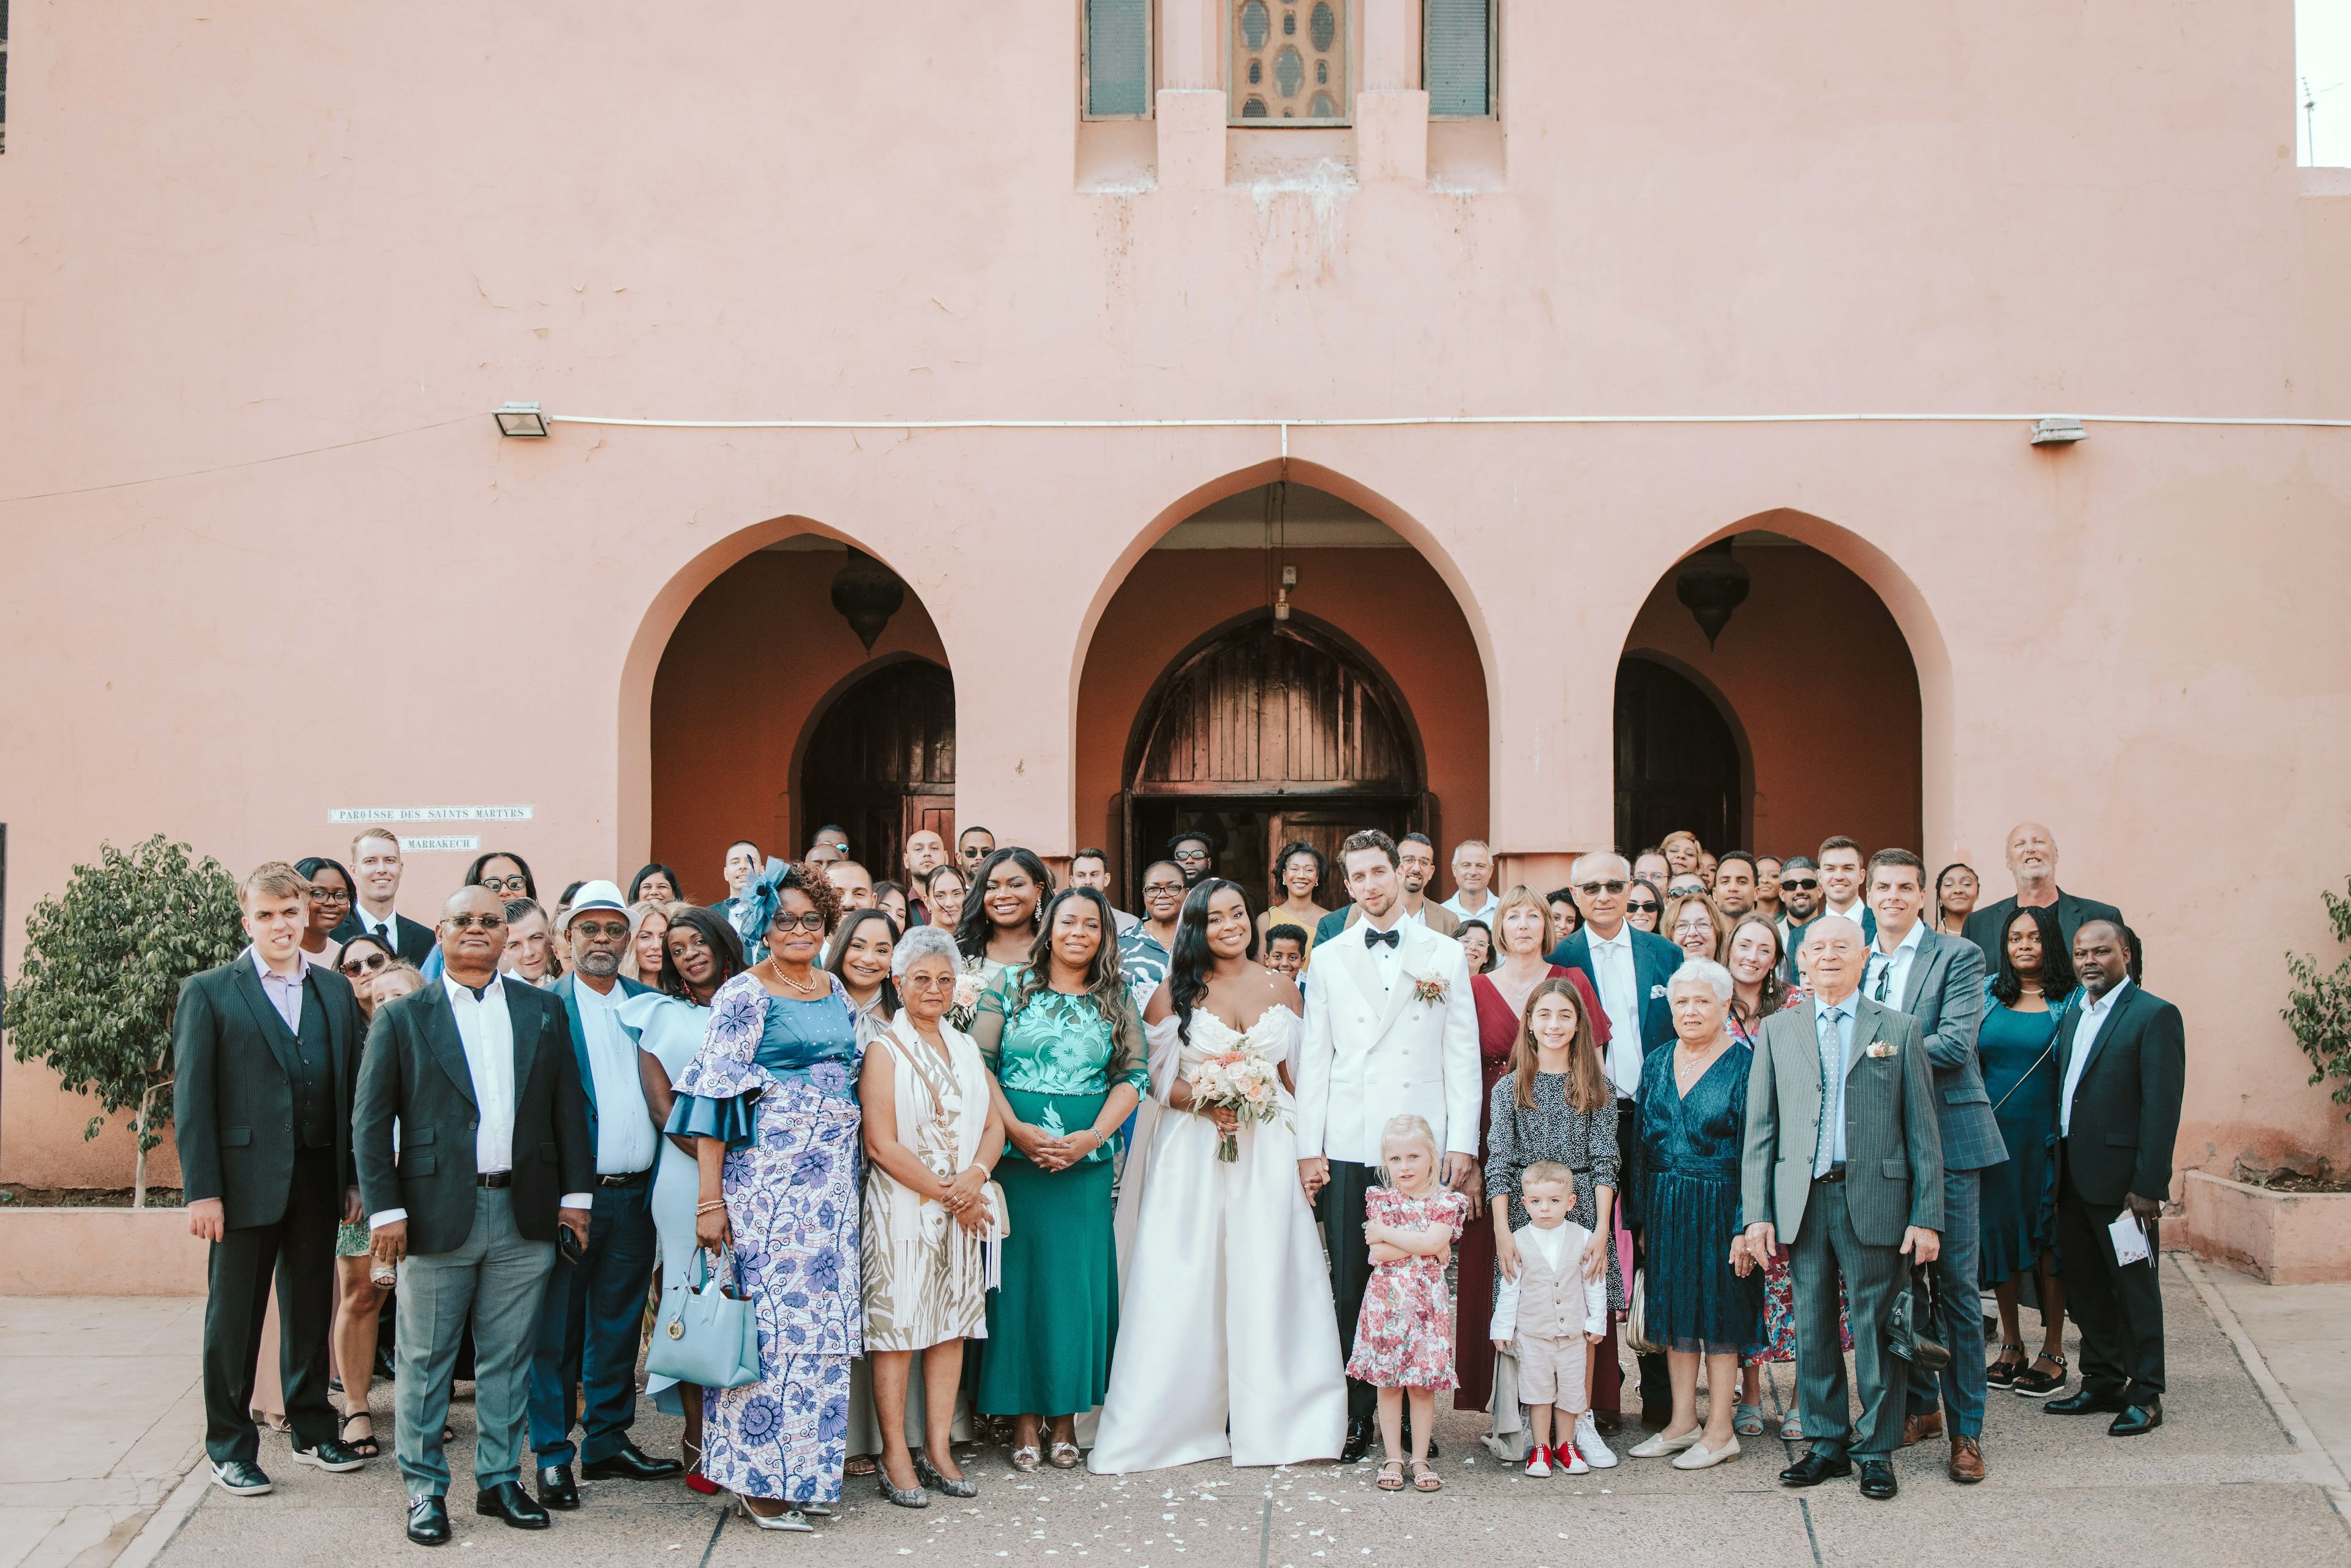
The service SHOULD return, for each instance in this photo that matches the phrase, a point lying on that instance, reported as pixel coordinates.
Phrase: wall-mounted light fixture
(522, 418)
(2058, 430)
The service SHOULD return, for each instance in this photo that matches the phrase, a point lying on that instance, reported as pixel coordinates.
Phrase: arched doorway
(1267, 731)
(1799, 720)
(880, 762)
(770, 713)
(1678, 763)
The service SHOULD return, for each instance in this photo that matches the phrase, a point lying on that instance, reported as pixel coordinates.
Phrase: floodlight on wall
(2057, 430)
(522, 418)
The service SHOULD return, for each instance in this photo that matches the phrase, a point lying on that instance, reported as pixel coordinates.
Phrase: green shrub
(2318, 1009)
(103, 964)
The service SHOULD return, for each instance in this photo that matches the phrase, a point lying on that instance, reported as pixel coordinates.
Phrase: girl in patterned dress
(1404, 1336)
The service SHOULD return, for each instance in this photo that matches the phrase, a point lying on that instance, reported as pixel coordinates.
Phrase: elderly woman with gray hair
(1703, 1295)
(932, 1139)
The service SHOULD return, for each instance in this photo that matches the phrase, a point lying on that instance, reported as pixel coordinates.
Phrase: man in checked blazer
(1856, 1191)
(1940, 981)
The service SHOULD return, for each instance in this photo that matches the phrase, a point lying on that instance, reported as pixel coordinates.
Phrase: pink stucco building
(1551, 297)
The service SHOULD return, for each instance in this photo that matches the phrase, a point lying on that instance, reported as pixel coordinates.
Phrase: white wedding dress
(1227, 1344)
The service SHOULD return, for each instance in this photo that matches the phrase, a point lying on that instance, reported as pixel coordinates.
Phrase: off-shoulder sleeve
(1166, 1055)
(715, 1092)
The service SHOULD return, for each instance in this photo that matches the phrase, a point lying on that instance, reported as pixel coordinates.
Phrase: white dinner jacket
(1366, 1059)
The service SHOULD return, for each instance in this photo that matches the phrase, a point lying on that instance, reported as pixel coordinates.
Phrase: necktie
(1382, 938)
(1832, 1091)
(477, 990)
(1885, 979)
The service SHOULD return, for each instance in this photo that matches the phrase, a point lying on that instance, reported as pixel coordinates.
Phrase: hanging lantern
(1712, 583)
(867, 594)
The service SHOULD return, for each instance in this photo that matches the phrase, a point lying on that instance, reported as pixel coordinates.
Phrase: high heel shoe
(695, 1479)
(904, 1497)
(790, 1518)
(927, 1474)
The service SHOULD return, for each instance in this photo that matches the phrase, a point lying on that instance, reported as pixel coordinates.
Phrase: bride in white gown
(1227, 1344)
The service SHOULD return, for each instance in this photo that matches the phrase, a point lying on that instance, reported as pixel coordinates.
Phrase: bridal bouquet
(1242, 1080)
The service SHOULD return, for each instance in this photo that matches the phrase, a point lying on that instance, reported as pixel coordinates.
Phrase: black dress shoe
(1361, 1437)
(1607, 1423)
(383, 1367)
(1816, 1467)
(509, 1502)
(2085, 1401)
(428, 1521)
(556, 1488)
(630, 1463)
(1656, 1418)
(2137, 1420)
(1877, 1480)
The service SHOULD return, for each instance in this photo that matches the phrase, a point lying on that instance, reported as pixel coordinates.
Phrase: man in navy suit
(594, 1318)
(376, 866)
(1628, 969)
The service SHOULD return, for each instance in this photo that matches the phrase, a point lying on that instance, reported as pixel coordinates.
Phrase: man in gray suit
(494, 1157)
(1940, 981)
(1844, 1160)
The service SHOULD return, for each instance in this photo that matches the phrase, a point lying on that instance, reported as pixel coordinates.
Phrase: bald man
(2032, 862)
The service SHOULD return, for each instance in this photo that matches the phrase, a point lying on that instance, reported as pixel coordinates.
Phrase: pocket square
(1657, 991)
(1880, 1048)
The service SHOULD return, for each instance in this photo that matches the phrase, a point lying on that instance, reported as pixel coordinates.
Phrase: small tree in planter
(2318, 1009)
(103, 963)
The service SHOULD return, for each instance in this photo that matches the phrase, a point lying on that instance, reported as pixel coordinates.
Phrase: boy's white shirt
(1563, 1242)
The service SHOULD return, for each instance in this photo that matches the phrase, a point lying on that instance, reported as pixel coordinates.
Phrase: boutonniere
(1880, 1048)
(1657, 991)
(1430, 990)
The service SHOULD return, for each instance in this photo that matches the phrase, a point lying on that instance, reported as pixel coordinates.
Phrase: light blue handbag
(707, 1335)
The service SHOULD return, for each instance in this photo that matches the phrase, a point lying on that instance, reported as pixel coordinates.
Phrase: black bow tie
(1387, 938)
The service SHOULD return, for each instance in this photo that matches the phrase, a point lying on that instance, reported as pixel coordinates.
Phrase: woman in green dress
(1060, 1036)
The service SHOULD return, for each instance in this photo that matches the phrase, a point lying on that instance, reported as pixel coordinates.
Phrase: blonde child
(1403, 1338)
(1551, 1315)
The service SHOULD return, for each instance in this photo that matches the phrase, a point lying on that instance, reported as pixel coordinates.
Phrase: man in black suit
(494, 1157)
(2032, 862)
(2125, 1052)
(375, 863)
(263, 1049)
(1628, 968)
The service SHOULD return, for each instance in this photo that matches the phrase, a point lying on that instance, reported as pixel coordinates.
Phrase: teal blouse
(1057, 1044)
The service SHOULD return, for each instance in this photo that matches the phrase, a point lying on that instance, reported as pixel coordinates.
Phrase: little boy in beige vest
(1551, 1315)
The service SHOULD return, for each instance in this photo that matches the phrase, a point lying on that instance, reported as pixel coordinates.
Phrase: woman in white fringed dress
(1227, 1344)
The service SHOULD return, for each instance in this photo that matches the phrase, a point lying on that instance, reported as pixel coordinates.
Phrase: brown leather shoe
(1917, 1428)
(1966, 1460)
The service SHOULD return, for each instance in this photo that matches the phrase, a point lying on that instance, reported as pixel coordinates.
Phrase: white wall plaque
(429, 814)
(469, 842)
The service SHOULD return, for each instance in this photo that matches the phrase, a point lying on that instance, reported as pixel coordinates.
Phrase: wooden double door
(880, 764)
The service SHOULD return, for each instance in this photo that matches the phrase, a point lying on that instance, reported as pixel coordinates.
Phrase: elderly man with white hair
(1844, 1162)
(1705, 1298)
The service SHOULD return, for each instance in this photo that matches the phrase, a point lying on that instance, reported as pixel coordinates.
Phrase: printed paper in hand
(2129, 1239)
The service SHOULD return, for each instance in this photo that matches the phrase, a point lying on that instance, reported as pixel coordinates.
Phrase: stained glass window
(1288, 62)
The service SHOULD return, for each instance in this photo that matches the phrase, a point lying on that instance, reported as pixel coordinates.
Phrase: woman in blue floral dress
(772, 1095)
(1061, 1035)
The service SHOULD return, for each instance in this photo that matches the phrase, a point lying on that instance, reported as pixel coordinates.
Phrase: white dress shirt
(1618, 982)
(385, 929)
(1894, 967)
(486, 1031)
(2086, 1035)
(625, 1140)
(1484, 912)
(1388, 958)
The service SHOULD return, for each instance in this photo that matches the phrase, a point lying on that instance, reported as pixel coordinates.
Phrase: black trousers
(298, 1251)
(2119, 1310)
(1340, 1206)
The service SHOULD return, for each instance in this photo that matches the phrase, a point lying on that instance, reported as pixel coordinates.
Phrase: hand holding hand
(1313, 1175)
(1921, 1245)
(205, 1219)
(1763, 1240)
(963, 1192)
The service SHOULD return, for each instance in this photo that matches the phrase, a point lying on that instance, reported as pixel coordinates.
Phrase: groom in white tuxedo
(1390, 1030)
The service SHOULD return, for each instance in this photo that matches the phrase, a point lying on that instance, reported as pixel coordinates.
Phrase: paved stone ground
(2236, 1475)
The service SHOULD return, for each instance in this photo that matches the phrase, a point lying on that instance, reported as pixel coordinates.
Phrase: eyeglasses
(1643, 906)
(1189, 855)
(595, 928)
(1589, 888)
(468, 922)
(1151, 887)
(927, 982)
(365, 963)
(811, 921)
(330, 895)
(1788, 884)
(507, 883)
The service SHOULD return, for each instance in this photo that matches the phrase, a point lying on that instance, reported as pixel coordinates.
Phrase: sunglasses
(467, 922)
(1643, 906)
(1589, 888)
(1793, 886)
(366, 964)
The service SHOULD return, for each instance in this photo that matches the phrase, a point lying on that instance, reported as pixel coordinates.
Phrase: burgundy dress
(1498, 1031)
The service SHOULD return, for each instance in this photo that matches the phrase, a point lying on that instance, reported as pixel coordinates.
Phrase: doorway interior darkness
(1677, 762)
(880, 763)
(1264, 732)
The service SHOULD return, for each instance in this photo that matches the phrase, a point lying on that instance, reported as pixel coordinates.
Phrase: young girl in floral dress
(1403, 1337)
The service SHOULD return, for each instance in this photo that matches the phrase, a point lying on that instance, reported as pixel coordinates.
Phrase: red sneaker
(1538, 1462)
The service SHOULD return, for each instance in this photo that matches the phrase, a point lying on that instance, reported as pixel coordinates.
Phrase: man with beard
(1800, 895)
(1416, 869)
